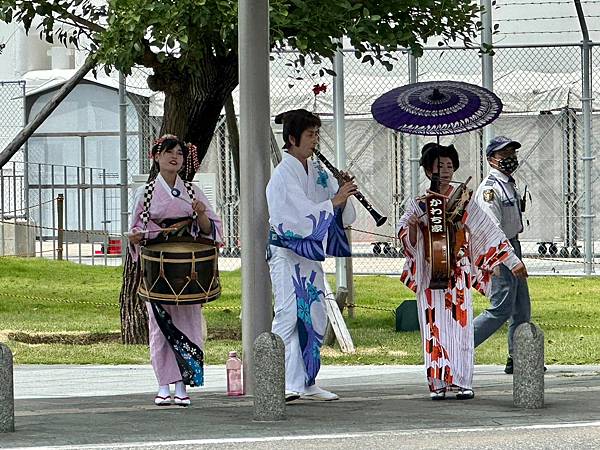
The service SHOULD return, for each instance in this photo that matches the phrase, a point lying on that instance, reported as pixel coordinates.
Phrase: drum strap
(148, 192)
(190, 190)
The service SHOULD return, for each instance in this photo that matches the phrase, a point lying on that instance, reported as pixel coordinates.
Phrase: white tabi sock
(180, 390)
(163, 391)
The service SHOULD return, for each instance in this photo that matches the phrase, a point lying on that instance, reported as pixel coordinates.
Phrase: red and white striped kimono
(446, 315)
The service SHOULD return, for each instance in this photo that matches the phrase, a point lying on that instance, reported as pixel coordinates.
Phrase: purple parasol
(437, 108)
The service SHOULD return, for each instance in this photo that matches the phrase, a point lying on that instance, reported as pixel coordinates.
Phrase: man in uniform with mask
(499, 197)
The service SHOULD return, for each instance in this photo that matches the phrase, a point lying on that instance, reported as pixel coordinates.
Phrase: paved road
(380, 407)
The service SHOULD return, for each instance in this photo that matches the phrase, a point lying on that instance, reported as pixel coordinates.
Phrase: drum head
(178, 247)
(162, 239)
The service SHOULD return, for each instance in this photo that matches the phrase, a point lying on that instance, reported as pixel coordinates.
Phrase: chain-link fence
(12, 115)
(12, 110)
(144, 115)
(541, 88)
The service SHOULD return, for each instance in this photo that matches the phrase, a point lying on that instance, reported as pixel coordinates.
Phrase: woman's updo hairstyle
(432, 151)
(167, 142)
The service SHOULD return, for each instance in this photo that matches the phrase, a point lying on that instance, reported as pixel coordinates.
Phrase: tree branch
(84, 31)
(78, 20)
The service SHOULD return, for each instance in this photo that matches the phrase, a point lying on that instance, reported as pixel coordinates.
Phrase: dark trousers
(509, 299)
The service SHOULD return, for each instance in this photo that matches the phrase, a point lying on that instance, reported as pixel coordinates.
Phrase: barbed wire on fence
(536, 3)
(544, 32)
(535, 19)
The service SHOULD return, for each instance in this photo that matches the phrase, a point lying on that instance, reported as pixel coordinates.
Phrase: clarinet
(379, 219)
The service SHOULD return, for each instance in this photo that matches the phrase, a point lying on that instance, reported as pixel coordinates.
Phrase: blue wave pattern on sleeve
(337, 241)
(322, 178)
(310, 247)
(310, 341)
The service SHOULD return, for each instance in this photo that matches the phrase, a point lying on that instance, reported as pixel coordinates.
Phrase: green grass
(566, 308)
(42, 296)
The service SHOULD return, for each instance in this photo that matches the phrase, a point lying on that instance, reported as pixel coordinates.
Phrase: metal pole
(53, 213)
(14, 197)
(566, 175)
(586, 103)
(104, 217)
(414, 149)
(92, 227)
(59, 223)
(25, 192)
(487, 76)
(39, 213)
(342, 277)
(83, 182)
(79, 211)
(64, 216)
(124, 195)
(255, 139)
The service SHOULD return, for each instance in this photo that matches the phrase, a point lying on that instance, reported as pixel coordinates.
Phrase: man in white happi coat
(307, 214)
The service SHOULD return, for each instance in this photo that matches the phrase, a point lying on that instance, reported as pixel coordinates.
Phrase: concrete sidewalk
(380, 407)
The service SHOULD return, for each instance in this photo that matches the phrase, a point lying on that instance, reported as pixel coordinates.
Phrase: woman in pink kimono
(175, 331)
(446, 315)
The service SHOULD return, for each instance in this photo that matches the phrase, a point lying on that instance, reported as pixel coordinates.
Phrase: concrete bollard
(269, 375)
(7, 395)
(528, 359)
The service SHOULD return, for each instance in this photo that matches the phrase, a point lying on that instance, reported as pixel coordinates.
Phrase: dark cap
(499, 143)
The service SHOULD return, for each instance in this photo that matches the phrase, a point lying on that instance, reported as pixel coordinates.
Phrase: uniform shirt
(498, 196)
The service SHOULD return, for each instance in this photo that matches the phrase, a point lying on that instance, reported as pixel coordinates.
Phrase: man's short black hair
(295, 122)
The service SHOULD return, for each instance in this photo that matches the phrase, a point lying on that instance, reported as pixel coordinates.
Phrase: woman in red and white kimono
(446, 315)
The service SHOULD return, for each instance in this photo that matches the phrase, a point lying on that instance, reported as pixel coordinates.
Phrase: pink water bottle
(234, 375)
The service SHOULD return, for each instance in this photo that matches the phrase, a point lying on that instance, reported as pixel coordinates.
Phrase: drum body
(179, 273)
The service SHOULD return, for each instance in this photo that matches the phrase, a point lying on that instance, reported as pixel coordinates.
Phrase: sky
(544, 21)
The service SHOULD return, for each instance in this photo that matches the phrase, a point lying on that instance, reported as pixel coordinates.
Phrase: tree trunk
(134, 315)
(234, 137)
(193, 104)
(194, 100)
